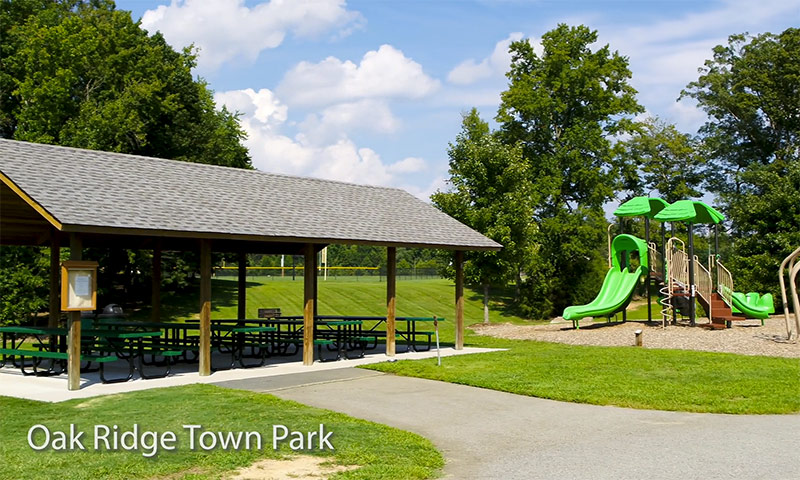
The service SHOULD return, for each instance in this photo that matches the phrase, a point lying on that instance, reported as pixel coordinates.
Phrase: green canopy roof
(690, 211)
(641, 206)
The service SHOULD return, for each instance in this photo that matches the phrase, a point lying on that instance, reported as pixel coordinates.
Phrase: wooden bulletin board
(78, 285)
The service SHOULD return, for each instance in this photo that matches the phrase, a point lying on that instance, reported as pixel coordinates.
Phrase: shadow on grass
(186, 303)
(501, 300)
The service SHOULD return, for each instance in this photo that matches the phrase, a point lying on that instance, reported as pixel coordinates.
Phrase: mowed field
(367, 296)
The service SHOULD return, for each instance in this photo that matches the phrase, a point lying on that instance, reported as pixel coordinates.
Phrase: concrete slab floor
(54, 389)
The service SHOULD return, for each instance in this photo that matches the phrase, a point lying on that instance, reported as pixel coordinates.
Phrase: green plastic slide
(753, 305)
(619, 284)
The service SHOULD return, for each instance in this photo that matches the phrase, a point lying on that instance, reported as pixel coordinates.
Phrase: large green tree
(490, 190)
(660, 158)
(749, 89)
(82, 74)
(565, 106)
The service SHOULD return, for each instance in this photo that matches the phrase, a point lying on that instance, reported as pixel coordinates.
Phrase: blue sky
(373, 91)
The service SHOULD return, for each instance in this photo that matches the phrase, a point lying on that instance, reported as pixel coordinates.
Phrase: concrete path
(485, 434)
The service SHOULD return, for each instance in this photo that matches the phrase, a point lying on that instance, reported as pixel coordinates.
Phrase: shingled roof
(101, 192)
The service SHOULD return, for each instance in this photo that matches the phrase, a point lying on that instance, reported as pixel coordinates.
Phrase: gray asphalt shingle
(93, 188)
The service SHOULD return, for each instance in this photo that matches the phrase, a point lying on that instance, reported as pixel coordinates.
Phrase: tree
(82, 74)
(749, 91)
(490, 192)
(659, 157)
(565, 106)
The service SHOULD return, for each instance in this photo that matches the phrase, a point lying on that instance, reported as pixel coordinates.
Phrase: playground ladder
(677, 274)
(793, 270)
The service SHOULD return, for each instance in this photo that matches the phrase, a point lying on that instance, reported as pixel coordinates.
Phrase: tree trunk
(486, 303)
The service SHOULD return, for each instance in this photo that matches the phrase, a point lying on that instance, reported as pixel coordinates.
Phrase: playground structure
(793, 270)
(682, 278)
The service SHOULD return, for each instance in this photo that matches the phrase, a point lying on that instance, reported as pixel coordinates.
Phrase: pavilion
(58, 196)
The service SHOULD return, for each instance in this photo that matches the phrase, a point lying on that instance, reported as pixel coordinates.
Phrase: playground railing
(724, 283)
(793, 271)
(655, 259)
(704, 284)
(677, 272)
(679, 266)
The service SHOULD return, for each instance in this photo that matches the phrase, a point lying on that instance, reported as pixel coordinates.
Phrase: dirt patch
(745, 337)
(301, 467)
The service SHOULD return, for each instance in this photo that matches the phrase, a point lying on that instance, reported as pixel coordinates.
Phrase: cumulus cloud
(665, 55)
(496, 64)
(408, 165)
(383, 73)
(334, 122)
(319, 147)
(225, 30)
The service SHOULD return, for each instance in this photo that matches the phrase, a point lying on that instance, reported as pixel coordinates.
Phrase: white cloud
(337, 120)
(408, 165)
(262, 106)
(225, 30)
(665, 55)
(383, 73)
(496, 64)
(317, 148)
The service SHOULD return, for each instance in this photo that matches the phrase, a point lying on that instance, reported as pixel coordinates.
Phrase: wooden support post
(55, 297)
(391, 287)
(459, 300)
(309, 277)
(241, 303)
(205, 308)
(74, 325)
(155, 296)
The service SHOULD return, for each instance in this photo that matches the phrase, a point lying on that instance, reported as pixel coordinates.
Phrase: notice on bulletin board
(79, 292)
(83, 285)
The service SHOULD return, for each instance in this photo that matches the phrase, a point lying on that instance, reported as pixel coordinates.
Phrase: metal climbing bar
(793, 270)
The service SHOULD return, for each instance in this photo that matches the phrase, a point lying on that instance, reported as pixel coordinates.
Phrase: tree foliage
(490, 191)
(565, 106)
(749, 89)
(85, 75)
(661, 158)
(82, 74)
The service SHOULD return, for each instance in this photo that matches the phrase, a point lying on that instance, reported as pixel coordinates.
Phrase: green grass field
(654, 379)
(380, 451)
(341, 297)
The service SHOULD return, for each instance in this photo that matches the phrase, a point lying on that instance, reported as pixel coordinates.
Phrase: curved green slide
(619, 284)
(753, 305)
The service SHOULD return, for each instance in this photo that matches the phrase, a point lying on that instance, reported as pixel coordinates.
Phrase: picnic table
(50, 343)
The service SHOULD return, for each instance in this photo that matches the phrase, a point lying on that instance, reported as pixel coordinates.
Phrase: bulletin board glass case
(78, 285)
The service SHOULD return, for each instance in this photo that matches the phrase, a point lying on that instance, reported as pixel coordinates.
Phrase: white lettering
(32, 432)
(276, 438)
(323, 440)
(191, 429)
(98, 437)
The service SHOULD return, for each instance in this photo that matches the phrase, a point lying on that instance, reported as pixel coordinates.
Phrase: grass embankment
(676, 380)
(380, 451)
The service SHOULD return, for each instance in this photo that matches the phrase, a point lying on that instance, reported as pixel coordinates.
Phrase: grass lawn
(381, 451)
(639, 378)
(627, 377)
(415, 298)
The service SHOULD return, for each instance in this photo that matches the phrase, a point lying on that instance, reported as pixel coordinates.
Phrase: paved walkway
(485, 434)
(54, 389)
